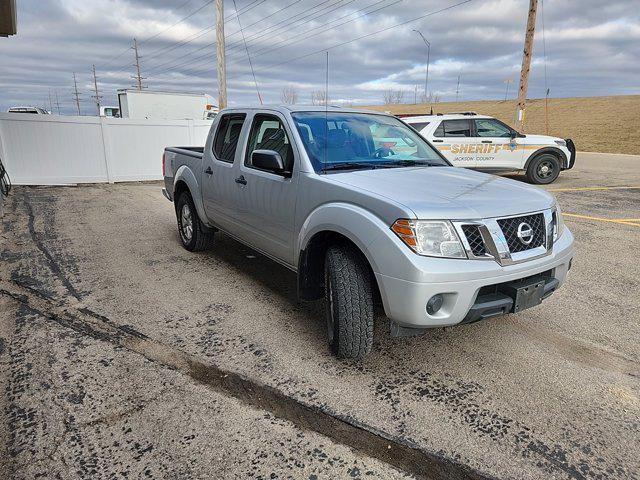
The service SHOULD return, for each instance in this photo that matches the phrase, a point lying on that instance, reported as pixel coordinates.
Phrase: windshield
(344, 141)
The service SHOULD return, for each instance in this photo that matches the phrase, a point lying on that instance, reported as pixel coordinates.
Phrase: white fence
(53, 149)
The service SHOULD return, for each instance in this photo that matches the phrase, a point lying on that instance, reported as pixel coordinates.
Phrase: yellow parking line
(623, 221)
(581, 189)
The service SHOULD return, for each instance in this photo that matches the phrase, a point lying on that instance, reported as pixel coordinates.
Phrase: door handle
(487, 141)
(208, 171)
(241, 180)
(437, 141)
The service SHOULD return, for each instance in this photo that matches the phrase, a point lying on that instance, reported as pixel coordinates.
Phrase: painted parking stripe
(623, 221)
(584, 189)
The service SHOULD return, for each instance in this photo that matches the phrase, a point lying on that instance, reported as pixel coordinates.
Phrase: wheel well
(559, 154)
(311, 264)
(180, 187)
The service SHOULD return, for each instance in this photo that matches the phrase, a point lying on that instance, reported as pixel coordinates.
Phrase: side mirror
(268, 160)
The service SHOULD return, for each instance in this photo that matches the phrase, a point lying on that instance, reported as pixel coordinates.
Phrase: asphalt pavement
(125, 356)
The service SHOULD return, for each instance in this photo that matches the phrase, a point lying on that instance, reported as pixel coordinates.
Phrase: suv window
(488, 127)
(268, 133)
(453, 128)
(227, 136)
(418, 127)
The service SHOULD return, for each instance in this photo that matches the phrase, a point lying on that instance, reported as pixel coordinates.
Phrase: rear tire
(194, 235)
(543, 169)
(349, 302)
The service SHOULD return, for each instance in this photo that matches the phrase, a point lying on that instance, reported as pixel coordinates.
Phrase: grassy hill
(596, 124)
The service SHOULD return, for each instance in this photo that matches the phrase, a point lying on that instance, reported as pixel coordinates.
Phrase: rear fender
(186, 175)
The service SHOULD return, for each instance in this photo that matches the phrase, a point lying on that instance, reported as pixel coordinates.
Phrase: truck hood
(450, 192)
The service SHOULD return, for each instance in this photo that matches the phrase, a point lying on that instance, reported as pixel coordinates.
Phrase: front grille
(472, 232)
(510, 227)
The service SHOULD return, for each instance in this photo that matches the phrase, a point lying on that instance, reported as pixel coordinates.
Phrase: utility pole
(220, 51)
(95, 86)
(76, 93)
(458, 88)
(506, 93)
(137, 76)
(50, 102)
(426, 80)
(526, 64)
(57, 102)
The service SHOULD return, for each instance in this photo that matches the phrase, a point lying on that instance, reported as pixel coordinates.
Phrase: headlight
(562, 143)
(434, 238)
(558, 223)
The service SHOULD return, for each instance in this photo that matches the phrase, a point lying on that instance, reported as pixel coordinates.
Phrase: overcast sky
(592, 48)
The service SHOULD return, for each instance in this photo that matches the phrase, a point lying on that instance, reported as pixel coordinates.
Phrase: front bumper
(460, 282)
(572, 153)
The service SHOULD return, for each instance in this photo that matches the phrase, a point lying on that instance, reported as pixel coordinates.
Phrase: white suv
(485, 143)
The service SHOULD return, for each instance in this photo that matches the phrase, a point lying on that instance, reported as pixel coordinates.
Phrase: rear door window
(227, 136)
(453, 128)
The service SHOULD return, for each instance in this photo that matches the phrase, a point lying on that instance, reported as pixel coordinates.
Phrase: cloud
(591, 48)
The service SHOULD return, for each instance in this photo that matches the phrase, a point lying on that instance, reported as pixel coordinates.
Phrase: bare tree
(431, 98)
(289, 95)
(393, 96)
(319, 97)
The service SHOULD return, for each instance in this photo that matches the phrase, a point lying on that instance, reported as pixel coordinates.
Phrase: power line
(110, 61)
(287, 22)
(337, 45)
(291, 40)
(199, 34)
(183, 63)
(208, 2)
(200, 57)
(248, 56)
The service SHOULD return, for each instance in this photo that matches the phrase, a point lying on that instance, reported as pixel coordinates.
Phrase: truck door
(496, 147)
(266, 201)
(453, 139)
(219, 171)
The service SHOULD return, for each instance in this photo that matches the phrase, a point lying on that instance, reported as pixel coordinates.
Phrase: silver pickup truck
(365, 210)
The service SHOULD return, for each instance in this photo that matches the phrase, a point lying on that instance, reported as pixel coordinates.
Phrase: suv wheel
(543, 169)
(193, 234)
(349, 302)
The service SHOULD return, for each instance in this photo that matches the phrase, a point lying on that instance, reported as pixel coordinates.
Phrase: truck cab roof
(299, 108)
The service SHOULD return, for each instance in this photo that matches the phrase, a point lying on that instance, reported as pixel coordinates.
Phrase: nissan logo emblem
(525, 233)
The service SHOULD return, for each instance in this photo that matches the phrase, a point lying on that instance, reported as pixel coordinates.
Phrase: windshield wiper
(348, 166)
(411, 163)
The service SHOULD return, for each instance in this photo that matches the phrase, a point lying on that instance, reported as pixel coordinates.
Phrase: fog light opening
(434, 304)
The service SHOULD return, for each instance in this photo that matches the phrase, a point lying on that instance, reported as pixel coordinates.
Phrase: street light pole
(426, 80)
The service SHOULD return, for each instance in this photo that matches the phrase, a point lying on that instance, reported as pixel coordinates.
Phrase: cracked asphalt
(125, 356)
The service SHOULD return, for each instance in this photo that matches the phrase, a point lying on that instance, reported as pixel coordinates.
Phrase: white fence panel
(134, 147)
(52, 149)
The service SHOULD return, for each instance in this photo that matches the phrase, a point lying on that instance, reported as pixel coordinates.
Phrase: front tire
(194, 235)
(349, 302)
(543, 169)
